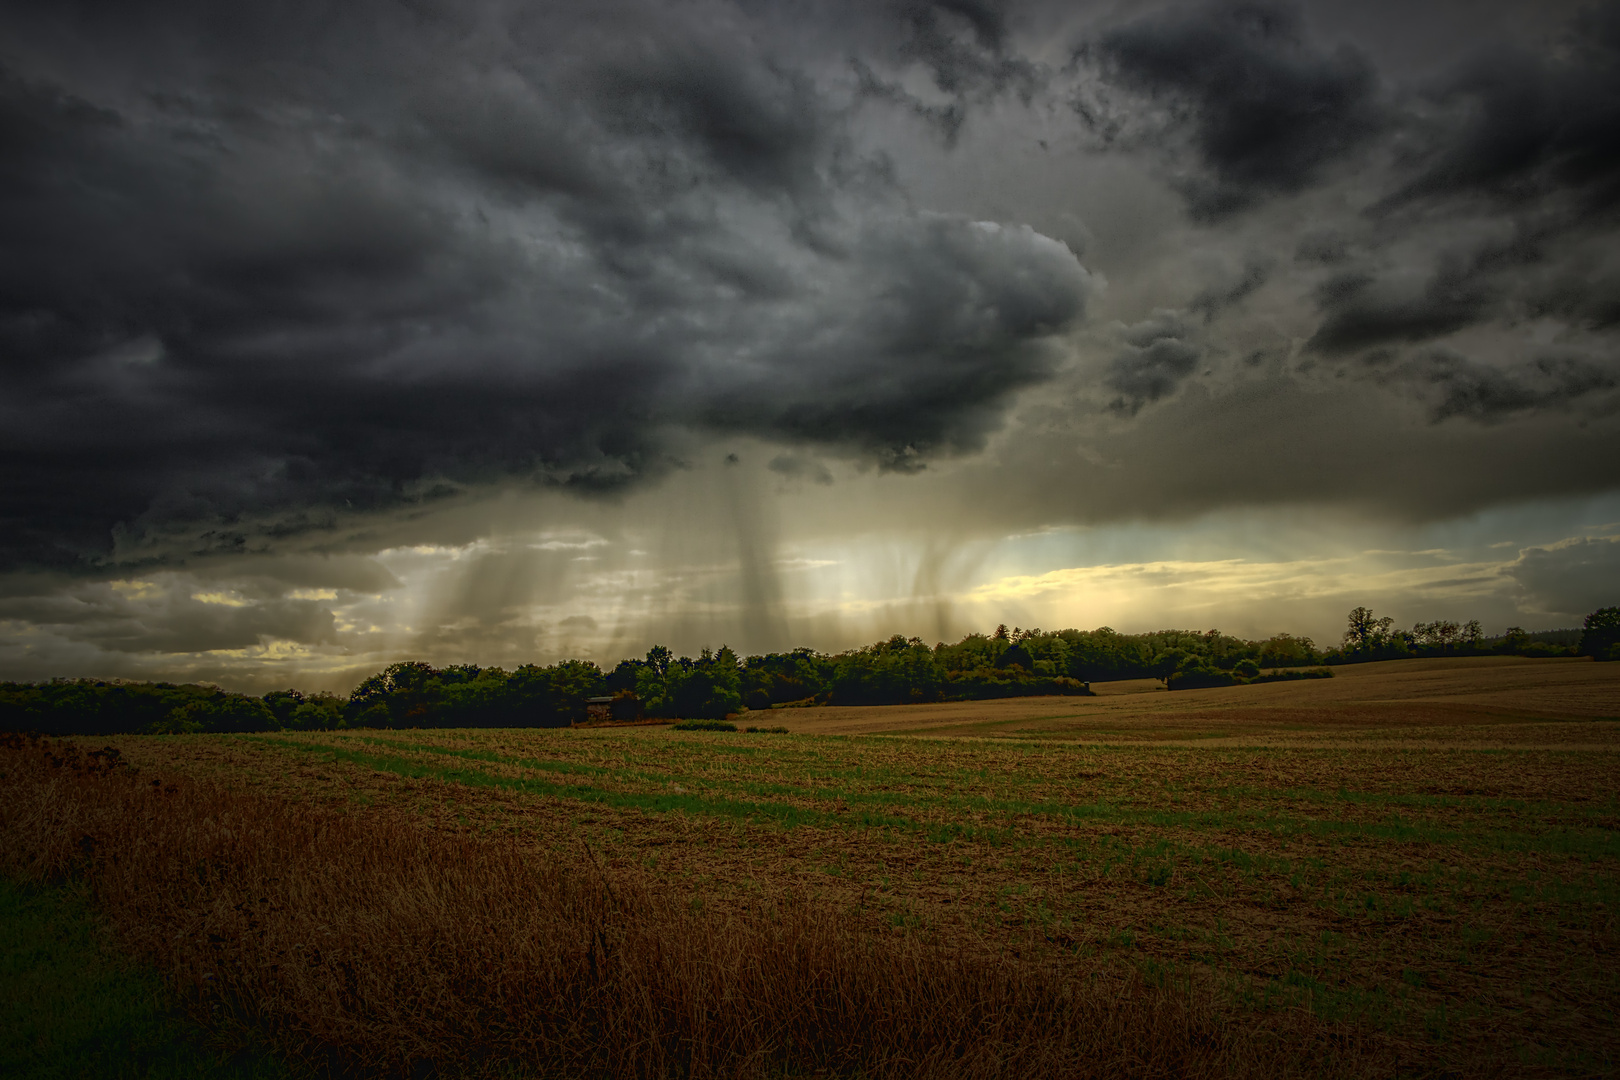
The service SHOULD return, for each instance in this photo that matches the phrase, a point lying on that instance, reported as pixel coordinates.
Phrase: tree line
(898, 670)
(1369, 637)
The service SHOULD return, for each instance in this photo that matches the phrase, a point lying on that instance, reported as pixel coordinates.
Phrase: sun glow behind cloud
(841, 591)
(1186, 593)
(707, 561)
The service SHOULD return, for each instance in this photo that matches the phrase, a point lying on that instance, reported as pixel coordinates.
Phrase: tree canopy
(662, 685)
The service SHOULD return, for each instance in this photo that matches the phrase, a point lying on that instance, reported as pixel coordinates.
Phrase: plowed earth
(1426, 847)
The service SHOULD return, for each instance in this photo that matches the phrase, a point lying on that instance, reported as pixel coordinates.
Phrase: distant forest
(661, 685)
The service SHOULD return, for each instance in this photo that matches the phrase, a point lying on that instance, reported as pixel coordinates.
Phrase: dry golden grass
(1395, 695)
(1427, 851)
(358, 941)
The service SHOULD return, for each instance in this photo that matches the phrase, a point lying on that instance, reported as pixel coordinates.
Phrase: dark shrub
(1198, 678)
(1295, 673)
(1601, 633)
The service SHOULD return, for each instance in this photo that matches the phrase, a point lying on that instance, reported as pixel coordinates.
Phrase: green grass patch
(71, 1007)
(934, 804)
(655, 802)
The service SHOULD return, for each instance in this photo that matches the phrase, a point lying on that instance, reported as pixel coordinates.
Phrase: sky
(336, 334)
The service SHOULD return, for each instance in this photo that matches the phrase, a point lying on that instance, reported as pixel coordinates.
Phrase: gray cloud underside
(256, 269)
(1262, 108)
(270, 271)
(1479, 198)
(1564, 578)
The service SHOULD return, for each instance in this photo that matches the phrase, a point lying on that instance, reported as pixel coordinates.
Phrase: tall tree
(1600, 634)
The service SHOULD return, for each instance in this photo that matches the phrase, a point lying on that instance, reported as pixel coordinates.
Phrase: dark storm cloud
(1463, 387)
(1514, 144)
(276, 575)
(1361, 311)
(1275, 440)
(268, 268)
(1265, 108)
(1212, 301)
(938, 323)
(1497, 283)
(1157, 357)
(1473, 198)
(1573, 578)
(214, 606)
(1515, 126)
(1524, 271)
(170, 620)
(946, 118)
(1325, 246)
(799, 467)
(278, 273)
(964, 46)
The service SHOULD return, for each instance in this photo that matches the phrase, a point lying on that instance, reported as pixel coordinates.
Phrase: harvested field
(1423, 853)
(1392, 700)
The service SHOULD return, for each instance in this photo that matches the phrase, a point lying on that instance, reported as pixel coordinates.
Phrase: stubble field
(1426, 850)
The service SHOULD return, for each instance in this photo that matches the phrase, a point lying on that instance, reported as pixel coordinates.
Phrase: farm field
(1426, 849)
(1501, 697)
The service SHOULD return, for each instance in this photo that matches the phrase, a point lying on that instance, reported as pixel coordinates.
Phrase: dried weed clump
(361, 944)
